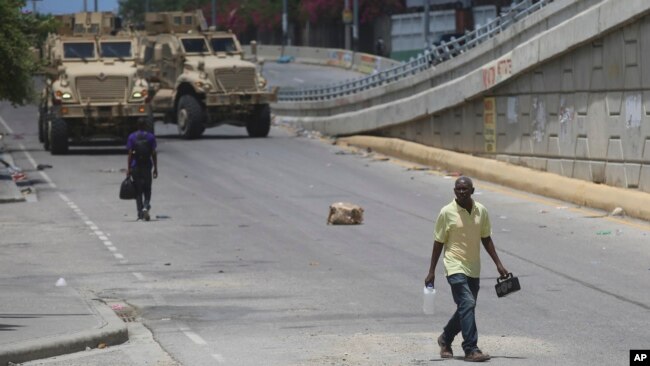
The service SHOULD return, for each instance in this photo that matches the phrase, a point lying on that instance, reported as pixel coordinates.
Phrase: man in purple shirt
(142, 158)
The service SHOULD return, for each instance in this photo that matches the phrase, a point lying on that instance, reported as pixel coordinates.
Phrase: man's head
(142, 124)
(464, 188)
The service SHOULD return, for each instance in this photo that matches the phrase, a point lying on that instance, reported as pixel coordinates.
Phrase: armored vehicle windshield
(79, 50)
(195, 45)
(223, 44)
(120, 50)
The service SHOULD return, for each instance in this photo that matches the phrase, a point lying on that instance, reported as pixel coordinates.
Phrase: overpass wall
(573, 100)
(584, 115)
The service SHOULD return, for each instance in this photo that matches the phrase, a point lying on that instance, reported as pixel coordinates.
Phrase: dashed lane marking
(194, 337)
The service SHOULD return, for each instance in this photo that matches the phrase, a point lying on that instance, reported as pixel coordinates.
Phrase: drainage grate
(125, 312)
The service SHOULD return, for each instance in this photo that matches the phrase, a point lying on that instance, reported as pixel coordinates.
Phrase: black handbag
(127, 189)
(506, 286)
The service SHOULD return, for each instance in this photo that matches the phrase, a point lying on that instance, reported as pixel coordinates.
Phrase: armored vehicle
(200, 78)
(94, 87)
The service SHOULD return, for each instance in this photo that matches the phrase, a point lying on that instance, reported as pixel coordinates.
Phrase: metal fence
(431, 56)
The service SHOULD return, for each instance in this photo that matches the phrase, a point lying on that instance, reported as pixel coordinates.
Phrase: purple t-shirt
(130, 143)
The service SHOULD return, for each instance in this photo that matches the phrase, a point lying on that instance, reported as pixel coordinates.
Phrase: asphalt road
(238, 266)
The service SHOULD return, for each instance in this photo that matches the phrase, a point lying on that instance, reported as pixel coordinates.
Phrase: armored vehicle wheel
(41, 125)
(46, 136)
(58, 136)
(260, 123)
(191, 115)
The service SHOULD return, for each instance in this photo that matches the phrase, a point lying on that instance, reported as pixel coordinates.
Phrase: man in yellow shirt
(460, 226)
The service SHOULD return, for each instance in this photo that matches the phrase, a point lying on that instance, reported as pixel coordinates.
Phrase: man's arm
(489, 247)
(154, 157)
(435, 255)
(129, 160)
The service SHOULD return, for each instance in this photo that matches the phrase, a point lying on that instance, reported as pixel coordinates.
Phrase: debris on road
(43, 166)
(61, 282)
(344, 213)
(604, 232)
(618, 211)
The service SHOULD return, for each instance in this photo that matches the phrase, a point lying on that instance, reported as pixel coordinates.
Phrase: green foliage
(19, 35)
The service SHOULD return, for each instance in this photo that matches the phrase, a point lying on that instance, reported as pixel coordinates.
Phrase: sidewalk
(44, 321)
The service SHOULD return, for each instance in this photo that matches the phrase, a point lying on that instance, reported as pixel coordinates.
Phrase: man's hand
(502, 271)
(155, 173)
(430, 278)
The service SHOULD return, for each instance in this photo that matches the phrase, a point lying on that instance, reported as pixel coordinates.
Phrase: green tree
(20, 34)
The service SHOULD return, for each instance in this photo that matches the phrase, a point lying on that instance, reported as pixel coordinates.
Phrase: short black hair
(465, 179)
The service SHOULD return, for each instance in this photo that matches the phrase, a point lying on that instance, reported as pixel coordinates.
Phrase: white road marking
(299, 80)
(64, 197)
(118, 256)
(194, 337)
(108, 243)
(112, 248)
(139, 276)
(6, 126)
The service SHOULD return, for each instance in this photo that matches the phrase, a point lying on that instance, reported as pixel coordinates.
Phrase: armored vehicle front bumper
(239, 99)
(102, 112)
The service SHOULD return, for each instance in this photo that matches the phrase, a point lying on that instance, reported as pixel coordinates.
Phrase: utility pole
(96, 6)
(85, 6)
(214, 13)
(426, 24)
(346, 20)
(285, 24)
(355, 27)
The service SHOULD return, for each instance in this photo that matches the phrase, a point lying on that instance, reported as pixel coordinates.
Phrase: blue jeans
(465, 292)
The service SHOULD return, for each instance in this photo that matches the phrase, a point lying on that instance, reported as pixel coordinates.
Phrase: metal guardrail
(431, 56)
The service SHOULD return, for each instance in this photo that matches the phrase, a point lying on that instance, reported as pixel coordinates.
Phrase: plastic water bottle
(428, 297)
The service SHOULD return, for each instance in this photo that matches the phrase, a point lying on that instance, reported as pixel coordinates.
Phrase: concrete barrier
(357, 61)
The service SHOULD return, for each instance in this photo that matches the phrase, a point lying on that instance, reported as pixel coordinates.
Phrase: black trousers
(142, 178)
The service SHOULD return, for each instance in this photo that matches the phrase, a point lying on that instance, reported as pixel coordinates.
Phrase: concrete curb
(112, 331)
(9, 191)
(635, 203)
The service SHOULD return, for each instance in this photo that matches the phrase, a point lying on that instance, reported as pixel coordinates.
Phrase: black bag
(141, 149)
(127, 189)
(507, 285)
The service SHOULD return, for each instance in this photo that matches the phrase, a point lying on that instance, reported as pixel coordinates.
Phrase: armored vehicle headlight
(66, 96)
(139, 94)
(203, 75)
(64, 83)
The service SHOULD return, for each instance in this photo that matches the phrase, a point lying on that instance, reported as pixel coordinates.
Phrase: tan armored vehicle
(200, 79)
(94, 87)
